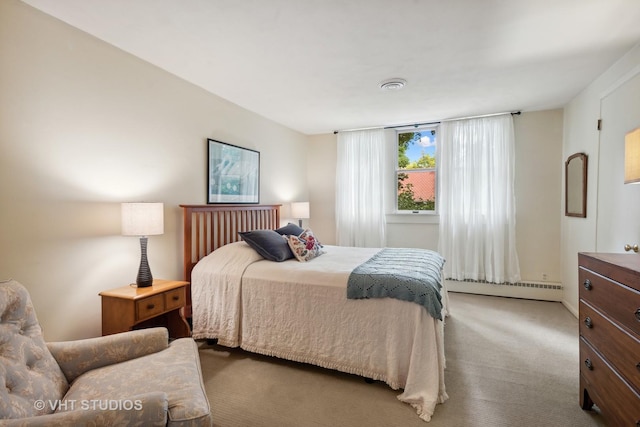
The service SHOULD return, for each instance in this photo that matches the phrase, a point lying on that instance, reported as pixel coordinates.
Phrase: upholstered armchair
(132, 378)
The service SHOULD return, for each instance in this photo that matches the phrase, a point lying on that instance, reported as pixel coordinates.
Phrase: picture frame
(233, 174)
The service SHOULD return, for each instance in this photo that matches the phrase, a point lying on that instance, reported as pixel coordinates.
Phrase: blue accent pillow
(290, 230)
(268, 243)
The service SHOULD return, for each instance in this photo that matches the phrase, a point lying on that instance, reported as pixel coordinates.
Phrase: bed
(299, 310)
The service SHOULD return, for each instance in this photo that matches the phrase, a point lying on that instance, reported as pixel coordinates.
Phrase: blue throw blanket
(407, 274)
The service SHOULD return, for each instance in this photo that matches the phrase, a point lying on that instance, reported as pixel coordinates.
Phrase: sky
(425, 146)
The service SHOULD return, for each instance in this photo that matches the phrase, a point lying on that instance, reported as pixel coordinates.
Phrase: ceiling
(316, 66)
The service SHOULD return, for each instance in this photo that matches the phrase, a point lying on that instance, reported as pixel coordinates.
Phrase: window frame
(397, 171)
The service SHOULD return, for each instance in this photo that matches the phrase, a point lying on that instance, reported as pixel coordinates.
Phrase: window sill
(412, 218)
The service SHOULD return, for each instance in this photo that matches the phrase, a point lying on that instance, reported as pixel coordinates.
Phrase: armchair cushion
(77, 357)
(175, 371)
(154, 414)
(28, 371)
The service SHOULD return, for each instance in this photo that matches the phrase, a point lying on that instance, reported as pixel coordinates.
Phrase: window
(416, 170)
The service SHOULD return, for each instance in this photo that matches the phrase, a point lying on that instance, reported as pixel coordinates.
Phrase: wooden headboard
(207, 227)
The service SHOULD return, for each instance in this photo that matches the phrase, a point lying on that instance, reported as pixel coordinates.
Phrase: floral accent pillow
(305, 247)
(308, 234)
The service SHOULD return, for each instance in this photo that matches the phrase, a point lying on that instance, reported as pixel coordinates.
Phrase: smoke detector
(393, 84)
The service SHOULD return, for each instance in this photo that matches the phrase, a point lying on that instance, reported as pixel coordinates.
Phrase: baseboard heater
(541, 285)
(548, 291)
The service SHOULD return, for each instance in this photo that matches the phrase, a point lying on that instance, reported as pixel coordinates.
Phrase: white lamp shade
(632, 157)
(300, 210)
(142, 219)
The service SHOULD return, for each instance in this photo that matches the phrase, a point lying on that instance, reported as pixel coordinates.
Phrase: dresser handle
(150, 306)
(588, 364)
(587, 284)
(588, 322)
(176, 297)
(638, 366)
(638, 315)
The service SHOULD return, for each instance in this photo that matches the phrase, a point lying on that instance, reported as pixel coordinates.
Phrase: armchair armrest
(78, 357)
(149, 409)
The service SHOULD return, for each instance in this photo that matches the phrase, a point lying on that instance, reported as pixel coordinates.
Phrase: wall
(85, 126)
(322, 157)
(581, 135)
(538, 192)
(537, 188)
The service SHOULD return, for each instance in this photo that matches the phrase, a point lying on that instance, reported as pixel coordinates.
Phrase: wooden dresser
(610, 336)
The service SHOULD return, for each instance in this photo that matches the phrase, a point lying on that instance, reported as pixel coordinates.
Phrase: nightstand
(129, 307)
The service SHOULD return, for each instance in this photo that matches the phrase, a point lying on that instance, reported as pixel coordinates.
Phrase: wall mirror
(576, 186)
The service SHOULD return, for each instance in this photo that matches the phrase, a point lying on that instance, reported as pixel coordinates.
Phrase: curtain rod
(415, 125)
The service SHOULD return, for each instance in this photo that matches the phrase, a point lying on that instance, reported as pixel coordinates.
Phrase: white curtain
(476, 199)
(360, 184)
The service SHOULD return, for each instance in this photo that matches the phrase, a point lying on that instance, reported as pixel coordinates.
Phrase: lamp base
(144, 284)
(144, 279)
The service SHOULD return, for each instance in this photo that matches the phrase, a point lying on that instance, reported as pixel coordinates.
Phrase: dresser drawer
(149, 307)
(619, 403)
(620, 348)
(619, 302)
(175, 299)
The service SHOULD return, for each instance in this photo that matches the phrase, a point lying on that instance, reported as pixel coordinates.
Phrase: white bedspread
(299, 311)
(215, 293)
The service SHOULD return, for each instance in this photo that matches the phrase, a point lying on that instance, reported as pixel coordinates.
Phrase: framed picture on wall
(233, 173)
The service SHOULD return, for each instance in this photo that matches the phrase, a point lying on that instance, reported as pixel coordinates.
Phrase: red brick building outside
(423, 184)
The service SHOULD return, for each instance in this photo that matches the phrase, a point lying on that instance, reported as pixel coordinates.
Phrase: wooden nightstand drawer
(161, 304)
(149, 307)
(175, 299)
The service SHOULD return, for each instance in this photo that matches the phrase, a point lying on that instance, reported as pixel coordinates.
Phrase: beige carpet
(510, 362)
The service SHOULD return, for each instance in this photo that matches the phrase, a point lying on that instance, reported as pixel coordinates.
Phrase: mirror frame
(575, 189)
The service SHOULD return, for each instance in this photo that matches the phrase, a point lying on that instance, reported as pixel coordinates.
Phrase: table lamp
(143, 219)
(300, 210)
